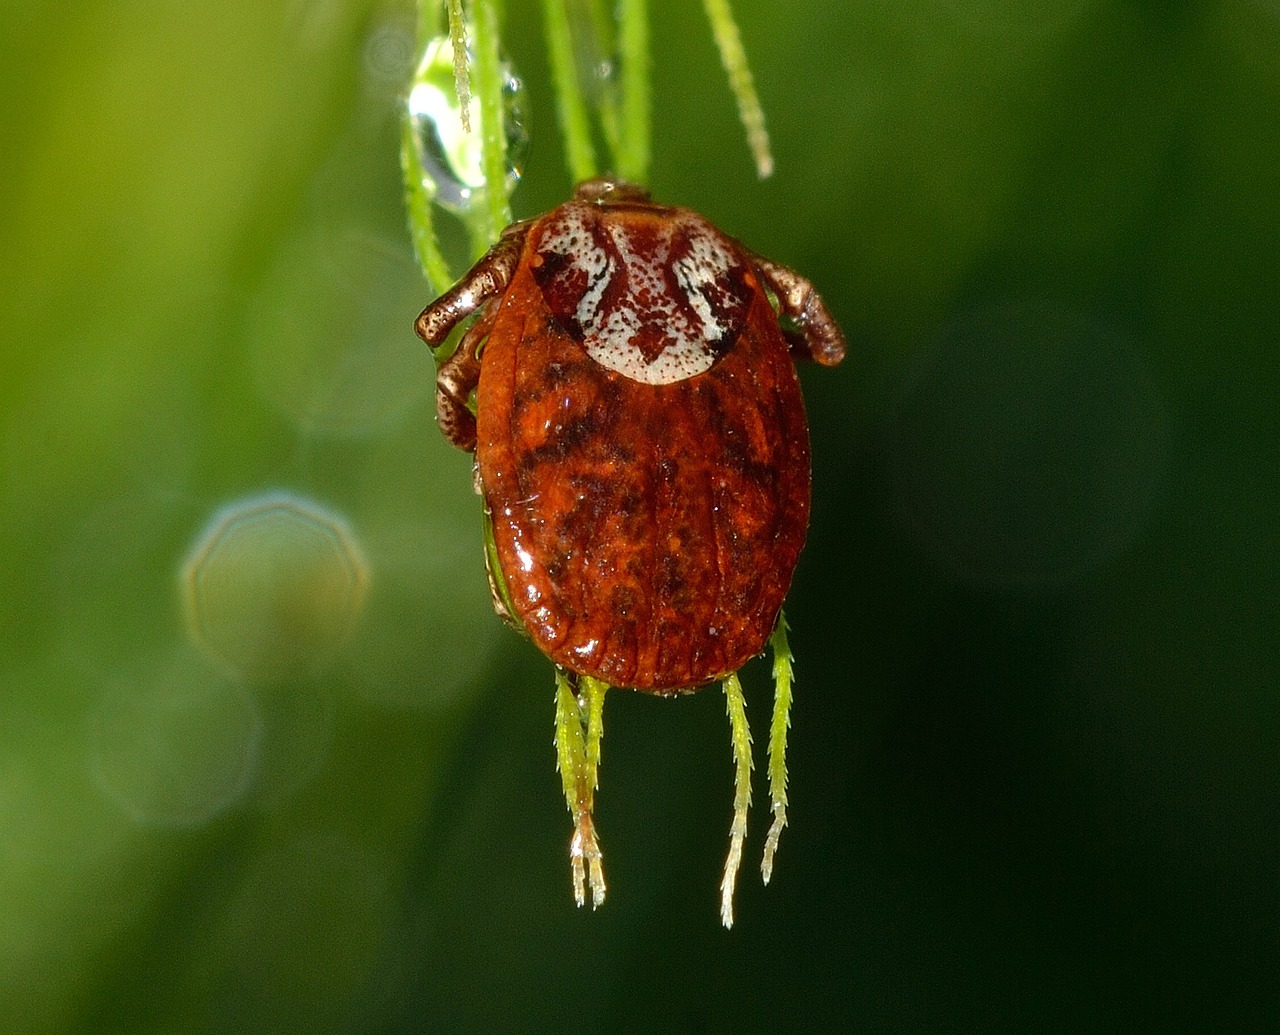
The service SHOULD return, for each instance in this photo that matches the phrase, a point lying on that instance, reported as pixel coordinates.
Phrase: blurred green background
(268, 762)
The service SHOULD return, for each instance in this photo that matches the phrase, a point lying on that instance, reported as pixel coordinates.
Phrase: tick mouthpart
(607, 190)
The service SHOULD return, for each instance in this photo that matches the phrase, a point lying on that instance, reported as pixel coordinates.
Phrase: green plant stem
(600, 20)
(632, 157)
(734, 57)
(461, 72)
(417, 199)
(736, 705)
(580, 155)
(579, 728)
(781, 721)
(594, 690)
(488, 88)
(571, 749)
(421, 226)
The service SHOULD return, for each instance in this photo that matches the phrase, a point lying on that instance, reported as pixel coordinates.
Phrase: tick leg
(819, 338)
(578, 757)
(737, 708)
(782, 660)
(456, 379)
(477, 290)
(487, 279)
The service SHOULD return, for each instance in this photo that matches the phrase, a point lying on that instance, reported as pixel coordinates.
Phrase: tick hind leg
(818, 337)
(457, 379)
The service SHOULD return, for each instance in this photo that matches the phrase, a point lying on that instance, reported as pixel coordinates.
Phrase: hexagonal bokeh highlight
(273, 586)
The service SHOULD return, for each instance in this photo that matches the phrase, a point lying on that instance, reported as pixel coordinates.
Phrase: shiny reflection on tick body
(525, 558)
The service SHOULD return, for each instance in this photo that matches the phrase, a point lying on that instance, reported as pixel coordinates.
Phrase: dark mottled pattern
(648, 533)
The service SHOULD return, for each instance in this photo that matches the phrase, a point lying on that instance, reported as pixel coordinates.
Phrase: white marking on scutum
(689, 327)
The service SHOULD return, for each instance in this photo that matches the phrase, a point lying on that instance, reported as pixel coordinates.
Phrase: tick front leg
(487, 279)
(819, 339)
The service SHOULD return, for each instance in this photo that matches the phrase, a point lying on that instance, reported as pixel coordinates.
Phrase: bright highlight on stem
(461, 73)
(736, 705)
(778, 726)
(631, 157)
(488, 83)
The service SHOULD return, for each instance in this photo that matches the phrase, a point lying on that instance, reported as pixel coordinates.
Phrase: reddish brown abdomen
(647, 532)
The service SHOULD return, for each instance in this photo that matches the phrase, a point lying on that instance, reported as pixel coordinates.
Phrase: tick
(629, 390)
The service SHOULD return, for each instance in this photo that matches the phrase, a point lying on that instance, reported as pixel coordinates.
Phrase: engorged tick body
(639, 432)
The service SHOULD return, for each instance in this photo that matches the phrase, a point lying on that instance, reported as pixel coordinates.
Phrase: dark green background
(1034, 746)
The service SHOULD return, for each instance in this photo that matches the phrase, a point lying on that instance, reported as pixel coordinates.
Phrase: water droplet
(273, 586)
(450, 156)
(605, 73)
(595, 57)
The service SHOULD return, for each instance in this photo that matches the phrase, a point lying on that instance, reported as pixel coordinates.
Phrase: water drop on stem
(449, 155)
